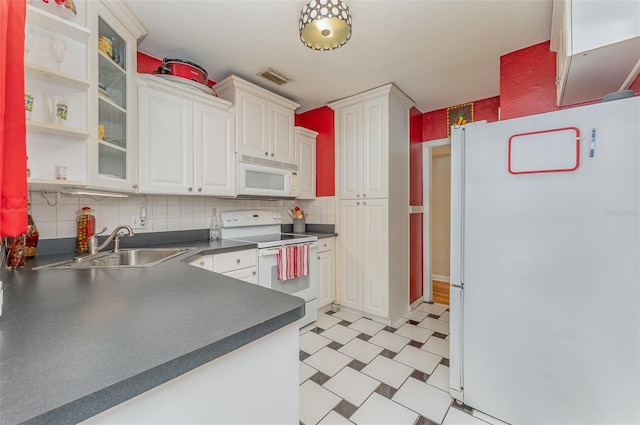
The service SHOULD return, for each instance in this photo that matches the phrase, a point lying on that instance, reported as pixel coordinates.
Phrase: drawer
(234, 260)
(326, 244)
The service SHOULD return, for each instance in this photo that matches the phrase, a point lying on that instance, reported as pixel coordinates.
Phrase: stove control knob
(235, 218)
(227, 218)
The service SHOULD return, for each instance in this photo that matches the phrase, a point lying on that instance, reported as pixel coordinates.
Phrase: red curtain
(13, 150)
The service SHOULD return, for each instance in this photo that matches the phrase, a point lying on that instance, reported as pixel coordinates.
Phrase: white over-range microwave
(257, 177)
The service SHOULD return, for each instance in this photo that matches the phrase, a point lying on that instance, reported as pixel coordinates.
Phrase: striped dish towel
(293, 262)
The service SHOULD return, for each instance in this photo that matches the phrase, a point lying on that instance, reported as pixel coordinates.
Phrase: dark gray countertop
(74, 343)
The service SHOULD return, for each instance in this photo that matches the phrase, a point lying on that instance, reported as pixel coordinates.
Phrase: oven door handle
(265, 252)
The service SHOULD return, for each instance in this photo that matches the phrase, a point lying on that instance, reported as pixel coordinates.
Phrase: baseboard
(440, 278)
(416, 303)
(324, 309)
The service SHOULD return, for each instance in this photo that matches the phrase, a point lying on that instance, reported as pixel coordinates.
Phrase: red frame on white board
(577, 164)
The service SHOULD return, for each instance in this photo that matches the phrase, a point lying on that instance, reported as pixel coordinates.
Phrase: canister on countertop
(86, 229)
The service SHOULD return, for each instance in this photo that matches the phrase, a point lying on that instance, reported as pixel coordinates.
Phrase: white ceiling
(439, 52)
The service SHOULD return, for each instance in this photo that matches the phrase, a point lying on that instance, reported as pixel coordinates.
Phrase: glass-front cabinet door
(113, 161)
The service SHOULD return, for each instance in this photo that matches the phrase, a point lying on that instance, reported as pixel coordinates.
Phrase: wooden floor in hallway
(440, 292)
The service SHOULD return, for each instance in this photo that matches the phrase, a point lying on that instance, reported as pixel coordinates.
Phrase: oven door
(305, 287)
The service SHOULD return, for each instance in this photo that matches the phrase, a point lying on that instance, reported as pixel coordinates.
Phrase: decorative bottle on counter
(86, 229)
(31, 240)
(214, 230)
(15, 249)
(22, 246)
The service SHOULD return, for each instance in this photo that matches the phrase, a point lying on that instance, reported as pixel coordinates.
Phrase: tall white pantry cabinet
(372, 189)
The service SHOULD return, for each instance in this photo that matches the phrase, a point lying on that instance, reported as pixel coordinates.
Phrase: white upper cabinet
(51, 140)
(264, 120)
(113, 154)
(95, 88)
(363, 143)
(186, 140)
(598, 48)
(306, 159)
(252, 124)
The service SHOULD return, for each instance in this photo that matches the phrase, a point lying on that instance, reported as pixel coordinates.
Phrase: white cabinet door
(349, 144)
(375, 151)
(375, 254)
(114, 155)
(204, 262)
(248, 275)
(350, 254)
(165, 142)
(306, 153)
(281, 138)
(213, 152)
(326, 278)
(251, 125)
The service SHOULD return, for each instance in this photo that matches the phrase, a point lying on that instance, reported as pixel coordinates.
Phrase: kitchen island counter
(74, 343)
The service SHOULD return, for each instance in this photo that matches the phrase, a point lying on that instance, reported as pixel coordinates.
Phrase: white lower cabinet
(364, 256)
(186, 141)
(326, 272)
(239, 265)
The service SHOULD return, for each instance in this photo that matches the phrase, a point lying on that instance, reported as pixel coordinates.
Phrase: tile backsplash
(56, 217)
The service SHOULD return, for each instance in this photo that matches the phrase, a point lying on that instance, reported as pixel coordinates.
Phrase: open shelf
(53, 76)
(56, 130)
(54, 23)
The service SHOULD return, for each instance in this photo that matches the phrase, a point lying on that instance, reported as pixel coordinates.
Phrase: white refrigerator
(545, 266)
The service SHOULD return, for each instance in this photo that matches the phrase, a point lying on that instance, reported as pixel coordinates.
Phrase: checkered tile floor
(356, 370)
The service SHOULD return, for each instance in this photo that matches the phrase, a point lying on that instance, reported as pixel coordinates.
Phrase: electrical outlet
(136, 223)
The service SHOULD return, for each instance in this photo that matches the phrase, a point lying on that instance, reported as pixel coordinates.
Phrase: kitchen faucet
(114, 236)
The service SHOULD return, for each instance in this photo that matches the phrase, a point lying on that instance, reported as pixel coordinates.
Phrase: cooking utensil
(184, 69)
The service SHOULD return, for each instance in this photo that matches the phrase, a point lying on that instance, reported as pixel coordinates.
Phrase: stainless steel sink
(138, 257)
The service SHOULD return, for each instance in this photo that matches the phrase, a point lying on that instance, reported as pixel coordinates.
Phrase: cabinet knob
(266, 153)
(358, 195)
(364, 203)
(190, 189)
(325, 245)
(253, 273)
(202, 263)
(135, 186)
(199, 189)
(364, 194)
(357, 203)
(238, 261)
(271, 154)
(318, 257)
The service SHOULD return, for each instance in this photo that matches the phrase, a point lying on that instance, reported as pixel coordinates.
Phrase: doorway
(437, 195)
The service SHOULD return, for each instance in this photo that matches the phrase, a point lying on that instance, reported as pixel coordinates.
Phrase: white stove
(263, 228)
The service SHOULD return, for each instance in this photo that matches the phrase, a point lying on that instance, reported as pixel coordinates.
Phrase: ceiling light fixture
(325, 24)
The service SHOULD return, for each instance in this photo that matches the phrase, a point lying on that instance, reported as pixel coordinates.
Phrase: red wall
(321, 120)
(434, 123)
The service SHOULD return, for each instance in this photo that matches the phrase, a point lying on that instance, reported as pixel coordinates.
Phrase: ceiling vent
(275, 76)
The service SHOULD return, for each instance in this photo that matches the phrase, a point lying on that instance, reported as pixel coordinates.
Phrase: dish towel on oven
(293, 262)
